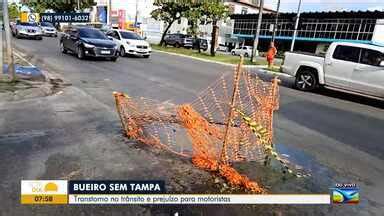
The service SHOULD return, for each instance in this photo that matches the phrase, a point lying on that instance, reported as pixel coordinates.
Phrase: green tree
(169, 12)
(13, 11)
(194, 16)
(214, 11)
(59, 5)
(36, 7)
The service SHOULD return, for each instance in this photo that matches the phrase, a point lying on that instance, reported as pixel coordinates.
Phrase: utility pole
(276, 21)
(109, 11)
(136, 13)
(256, 40)
(11, 66)
(296, 26)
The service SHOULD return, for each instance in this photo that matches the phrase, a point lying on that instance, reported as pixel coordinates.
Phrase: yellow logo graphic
(51, 187)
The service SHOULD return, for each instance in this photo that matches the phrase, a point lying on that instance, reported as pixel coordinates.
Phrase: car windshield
(130, 35)
(45, 24)
(28, 24)
(92, 33)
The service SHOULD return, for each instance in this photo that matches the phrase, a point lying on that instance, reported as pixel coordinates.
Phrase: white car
(48, 29)
(27, 30)
(222, 48)
(351, 67)
(246, 51)
(130, 43)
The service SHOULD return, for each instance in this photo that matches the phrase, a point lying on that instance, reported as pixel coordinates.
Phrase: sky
(327, 5)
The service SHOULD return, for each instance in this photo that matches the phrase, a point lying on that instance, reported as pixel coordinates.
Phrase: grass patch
(203, 55)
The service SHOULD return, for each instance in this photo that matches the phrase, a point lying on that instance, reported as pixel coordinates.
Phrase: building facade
(315, 31)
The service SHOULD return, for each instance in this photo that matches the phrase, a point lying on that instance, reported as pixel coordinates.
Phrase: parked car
(84, 41)
(179, 40)
(130, 43)
(222, 48)
(48, 29)
(12, 26)
(27, 30)
(203, 44)
(243, 50)
(351, 67)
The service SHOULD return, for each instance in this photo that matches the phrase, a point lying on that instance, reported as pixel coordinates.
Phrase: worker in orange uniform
(272, 51)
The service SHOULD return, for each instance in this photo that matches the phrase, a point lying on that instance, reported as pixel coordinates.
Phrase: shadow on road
(366, 130)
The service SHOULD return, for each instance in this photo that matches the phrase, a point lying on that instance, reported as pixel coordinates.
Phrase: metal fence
(350, 29)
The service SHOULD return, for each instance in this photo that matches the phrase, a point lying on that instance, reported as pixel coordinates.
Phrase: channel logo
(345, 194)
(44, 192)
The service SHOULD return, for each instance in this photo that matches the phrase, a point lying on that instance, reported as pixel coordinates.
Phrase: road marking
(22, 58)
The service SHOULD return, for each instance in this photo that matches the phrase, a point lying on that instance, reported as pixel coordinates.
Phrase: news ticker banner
(153, 192)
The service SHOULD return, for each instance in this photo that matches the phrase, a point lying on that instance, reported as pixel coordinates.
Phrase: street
(336, 136)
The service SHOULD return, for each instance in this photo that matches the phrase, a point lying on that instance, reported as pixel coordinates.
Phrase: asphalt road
(339, 137)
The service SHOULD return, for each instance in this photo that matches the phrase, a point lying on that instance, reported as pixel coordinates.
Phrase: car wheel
(306, 80)
(146, 56)
(62, 48)
(17, 35)
(233, 53)
(122, 51)
(177, 45)
(246, 55)
(80, 52)
(39, 38)
(114, 59)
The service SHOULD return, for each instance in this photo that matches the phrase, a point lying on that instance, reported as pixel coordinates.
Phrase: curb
(275, 73)
(261, 67)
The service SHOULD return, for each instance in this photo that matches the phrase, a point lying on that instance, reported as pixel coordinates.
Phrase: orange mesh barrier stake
(224, 156)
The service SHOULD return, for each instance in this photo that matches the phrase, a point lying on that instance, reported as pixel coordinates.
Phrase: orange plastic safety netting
(229, 121)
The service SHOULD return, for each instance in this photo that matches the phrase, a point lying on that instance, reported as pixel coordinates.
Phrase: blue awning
(324, 40)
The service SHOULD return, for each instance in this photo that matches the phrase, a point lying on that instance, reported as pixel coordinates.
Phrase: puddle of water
(25, 70)
(275, 181)
(321, 176)
(300, 158)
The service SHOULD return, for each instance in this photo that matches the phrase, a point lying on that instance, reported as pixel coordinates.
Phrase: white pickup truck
(352, 67)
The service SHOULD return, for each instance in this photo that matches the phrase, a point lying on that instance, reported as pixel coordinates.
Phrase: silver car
(28, 30)
(48, 29)
(243, 50)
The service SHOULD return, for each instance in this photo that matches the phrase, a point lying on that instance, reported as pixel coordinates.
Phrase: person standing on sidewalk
(272, 51)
